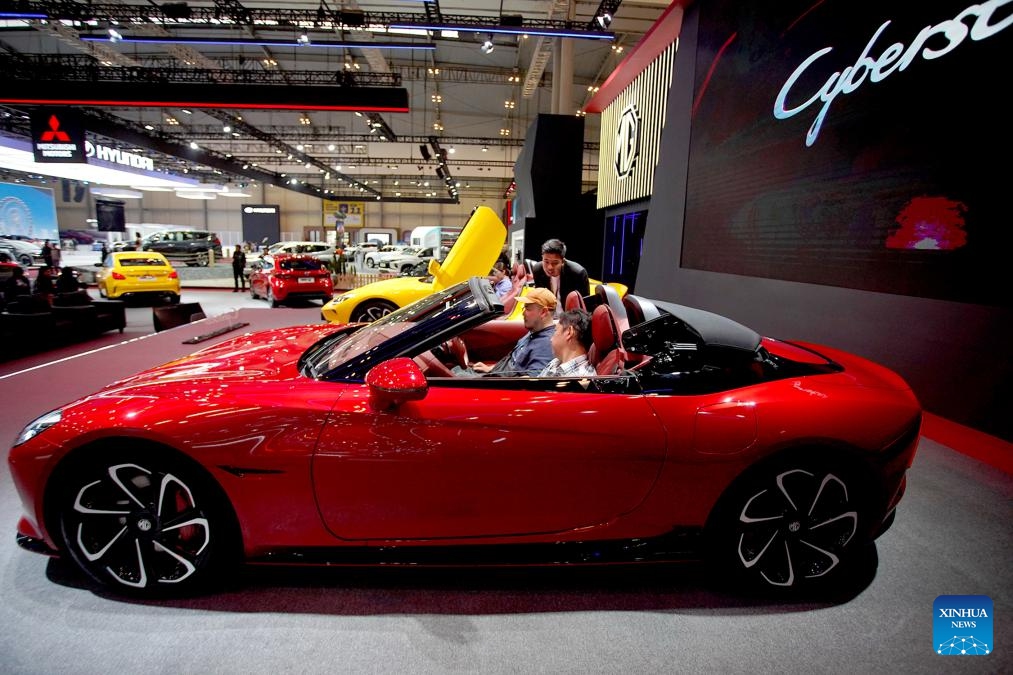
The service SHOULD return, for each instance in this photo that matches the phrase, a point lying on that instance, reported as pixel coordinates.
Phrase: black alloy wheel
(789, 526)
(146, 526)
(369, 312)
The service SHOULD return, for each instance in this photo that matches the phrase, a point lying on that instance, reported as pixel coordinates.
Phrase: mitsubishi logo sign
(54, 133)
(627, 141)
(57, 135)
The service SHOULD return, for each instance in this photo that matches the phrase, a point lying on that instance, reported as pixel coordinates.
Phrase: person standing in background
(238, 268)
(558, 274)
(47, 253)
(137, 241)
(55, 257)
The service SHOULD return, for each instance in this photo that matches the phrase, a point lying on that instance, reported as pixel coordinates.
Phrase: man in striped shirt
(570, 343)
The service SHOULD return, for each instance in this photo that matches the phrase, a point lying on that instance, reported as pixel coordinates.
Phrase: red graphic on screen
(54, 133)
(930, 224)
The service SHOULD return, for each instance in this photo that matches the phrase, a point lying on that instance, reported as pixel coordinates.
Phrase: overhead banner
(341, 215)
(58, 135)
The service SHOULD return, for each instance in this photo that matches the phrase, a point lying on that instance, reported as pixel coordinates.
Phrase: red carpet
(970, 442)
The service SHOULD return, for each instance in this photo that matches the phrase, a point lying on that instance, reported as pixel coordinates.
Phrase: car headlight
(38, 425)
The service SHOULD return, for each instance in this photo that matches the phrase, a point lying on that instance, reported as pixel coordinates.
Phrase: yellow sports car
(472, 255)
(131, 273)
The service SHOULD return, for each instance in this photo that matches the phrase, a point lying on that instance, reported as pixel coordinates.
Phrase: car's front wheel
(145, 523)
(369, 312)
(789, 526)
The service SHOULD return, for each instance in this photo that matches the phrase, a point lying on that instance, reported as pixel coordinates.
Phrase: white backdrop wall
(299, 214)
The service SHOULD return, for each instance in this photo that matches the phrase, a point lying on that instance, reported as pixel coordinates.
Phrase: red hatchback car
(283, 277)
(360, 444)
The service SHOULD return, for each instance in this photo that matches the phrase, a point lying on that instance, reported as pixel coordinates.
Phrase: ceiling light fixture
(487, 46)
(507, 30)
(250, 42)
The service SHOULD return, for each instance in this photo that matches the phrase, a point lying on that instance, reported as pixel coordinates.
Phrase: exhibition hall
(522, 336)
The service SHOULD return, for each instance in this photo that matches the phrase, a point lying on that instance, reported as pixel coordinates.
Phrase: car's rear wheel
(25, 259)
(145, 523)
(789, 525)
(270, 297)
(372, 310)
(202, 259)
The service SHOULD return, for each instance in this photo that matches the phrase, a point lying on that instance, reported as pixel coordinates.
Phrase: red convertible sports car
(357, 444)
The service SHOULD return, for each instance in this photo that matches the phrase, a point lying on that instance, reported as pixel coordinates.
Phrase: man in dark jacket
(558, 274)
(238, 269)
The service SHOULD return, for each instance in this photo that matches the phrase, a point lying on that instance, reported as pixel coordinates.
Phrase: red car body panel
(317, 463)
(318, 467)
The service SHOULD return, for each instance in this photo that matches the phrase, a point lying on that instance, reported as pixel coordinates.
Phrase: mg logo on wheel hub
(144, 525)
(794, 526)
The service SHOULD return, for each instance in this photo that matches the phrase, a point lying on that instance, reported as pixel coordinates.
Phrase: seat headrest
(574, 300)
(604, 333)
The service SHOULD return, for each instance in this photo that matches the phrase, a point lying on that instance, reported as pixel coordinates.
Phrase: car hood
(261, 356)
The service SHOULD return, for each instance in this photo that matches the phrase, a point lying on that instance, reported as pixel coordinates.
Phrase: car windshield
(299, 264)
(142, 262)
(442, 308)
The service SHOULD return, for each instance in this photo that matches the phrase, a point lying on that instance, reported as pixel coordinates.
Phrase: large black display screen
(856, 144)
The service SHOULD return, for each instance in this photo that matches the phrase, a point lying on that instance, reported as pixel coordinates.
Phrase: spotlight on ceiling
(114, 35)
(487, 46)
(604, 20)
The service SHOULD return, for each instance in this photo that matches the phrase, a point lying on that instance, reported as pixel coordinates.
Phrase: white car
(372, 259)
(24, 252)
(320, 250)
(410, 258)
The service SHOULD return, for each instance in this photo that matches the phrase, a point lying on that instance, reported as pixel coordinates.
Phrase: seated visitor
(534, 350)
(67, 281)
(570, 343)
(500, 281)
(44, 282)
(18, 284)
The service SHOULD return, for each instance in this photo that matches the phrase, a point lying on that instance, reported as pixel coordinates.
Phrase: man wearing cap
(533, 351)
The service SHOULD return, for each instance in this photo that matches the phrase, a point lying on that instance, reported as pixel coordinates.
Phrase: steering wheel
(453, 351)
(432, 366)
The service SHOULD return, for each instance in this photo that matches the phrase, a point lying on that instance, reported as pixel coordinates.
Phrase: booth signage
(117, 156)
(57, 136)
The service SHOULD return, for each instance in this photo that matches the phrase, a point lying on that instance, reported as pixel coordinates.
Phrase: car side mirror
(395, 382)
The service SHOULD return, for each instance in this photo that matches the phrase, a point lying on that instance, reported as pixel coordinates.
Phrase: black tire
(253, 293)
(146, 523)
(102, 291)
(203, 259)
(789, 526)
(372, 310)
(172, 298)
(25, 260)
(270, 297)
(370, 263)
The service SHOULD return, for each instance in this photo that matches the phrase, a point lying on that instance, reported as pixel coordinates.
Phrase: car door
(471, 462)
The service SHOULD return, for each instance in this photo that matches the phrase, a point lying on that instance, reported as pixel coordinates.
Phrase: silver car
(24, 252)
